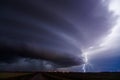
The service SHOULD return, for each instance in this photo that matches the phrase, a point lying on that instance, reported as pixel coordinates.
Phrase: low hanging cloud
(52, 30)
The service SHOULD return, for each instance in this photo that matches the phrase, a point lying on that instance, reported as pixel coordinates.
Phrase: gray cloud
(53, 30)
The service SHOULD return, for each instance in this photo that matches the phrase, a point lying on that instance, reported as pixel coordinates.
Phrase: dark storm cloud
(11, 52)
(53, 30)
(27, 64)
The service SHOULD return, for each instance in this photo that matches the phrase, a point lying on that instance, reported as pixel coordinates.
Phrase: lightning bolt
(86, 62)
(109, 39)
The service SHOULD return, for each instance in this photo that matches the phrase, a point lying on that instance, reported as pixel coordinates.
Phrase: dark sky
(48, 33)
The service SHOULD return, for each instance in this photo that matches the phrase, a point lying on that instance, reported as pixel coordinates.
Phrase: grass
(13, 74)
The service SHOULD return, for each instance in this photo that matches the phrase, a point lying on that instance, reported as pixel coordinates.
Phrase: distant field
(59, 76)
(13, 74)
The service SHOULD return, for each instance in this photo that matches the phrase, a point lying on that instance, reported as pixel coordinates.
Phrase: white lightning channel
(108, 42)
(86, 62)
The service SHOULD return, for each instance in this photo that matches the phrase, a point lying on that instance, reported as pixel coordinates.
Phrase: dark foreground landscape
(59, 76)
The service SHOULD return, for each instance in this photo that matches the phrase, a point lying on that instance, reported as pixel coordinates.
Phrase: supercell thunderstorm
(44, 34)
(109, 42)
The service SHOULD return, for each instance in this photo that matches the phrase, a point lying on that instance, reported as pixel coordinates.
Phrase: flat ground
(59, 76)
